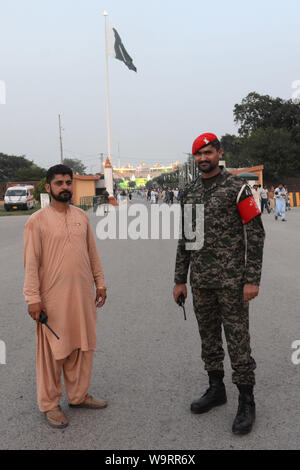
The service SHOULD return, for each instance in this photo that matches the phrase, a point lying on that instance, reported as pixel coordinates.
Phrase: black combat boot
(215, 395)
(246, 411)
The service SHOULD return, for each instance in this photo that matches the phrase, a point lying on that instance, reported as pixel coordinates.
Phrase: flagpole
(107, 88)
(60, 140)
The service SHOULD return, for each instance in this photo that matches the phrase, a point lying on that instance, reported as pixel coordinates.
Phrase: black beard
(208, 169)
(64, 196)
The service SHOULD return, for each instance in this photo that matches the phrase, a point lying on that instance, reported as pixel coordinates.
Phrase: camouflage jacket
(232, 252)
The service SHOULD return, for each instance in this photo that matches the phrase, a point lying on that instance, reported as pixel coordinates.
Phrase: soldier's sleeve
(255, 235)
(182, 255)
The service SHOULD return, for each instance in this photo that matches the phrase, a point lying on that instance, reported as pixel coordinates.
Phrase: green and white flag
(115, 48)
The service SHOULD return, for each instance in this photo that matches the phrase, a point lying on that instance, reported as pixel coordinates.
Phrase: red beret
(202, 141)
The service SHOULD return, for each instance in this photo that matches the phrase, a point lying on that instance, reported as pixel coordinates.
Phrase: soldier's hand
(34, 310)
(250, 292)
(100, 293)
(178, 290)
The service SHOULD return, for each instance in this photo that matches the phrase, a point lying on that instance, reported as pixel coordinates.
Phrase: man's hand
(178, 290)
(250, 292)
(34, 310)
(100, 293)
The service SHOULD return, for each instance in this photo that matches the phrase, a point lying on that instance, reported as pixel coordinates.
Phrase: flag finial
(105, 13)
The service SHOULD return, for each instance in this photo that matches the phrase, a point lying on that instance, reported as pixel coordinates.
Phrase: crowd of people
(168, 196)
(154, 196)
(274, 200)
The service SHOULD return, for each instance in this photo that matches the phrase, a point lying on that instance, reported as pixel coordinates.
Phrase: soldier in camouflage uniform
(224, 276)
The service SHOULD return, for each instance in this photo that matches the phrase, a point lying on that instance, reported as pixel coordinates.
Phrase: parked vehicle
(19, 197)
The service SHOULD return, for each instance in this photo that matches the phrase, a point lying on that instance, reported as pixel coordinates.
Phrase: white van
(19, 197)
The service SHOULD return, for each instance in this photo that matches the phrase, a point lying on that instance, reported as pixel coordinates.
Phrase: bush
(40, 188)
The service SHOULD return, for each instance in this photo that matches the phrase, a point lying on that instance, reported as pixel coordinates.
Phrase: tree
(262, 111)
(40, 188)
(269, 134)
(76, 165)
(231, 146)
(232, 152)
(32, 173)
(15, 168)
(165, 180)
(10, 164)
(276, 149)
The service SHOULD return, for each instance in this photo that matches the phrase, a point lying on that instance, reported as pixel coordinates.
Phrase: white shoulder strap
(240, 193)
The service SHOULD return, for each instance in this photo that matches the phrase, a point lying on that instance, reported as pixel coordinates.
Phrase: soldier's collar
(222, 176)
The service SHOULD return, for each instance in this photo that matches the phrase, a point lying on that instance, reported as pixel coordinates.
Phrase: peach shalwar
(62, 266)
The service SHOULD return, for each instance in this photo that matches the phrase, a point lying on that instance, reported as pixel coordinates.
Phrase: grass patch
(4, 213)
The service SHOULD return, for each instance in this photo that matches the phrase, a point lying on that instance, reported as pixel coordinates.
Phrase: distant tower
(109, 185)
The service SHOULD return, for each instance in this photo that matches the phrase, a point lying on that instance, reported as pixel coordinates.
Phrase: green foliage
(262, 111)
(232, 145)
(269, 135)
(32, 173)
(165, 180)
(40, 188)
(13, 168)
(11, 164)
(276, 149)
(76, 165)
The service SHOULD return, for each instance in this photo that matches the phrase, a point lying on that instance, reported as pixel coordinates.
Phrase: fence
(88, 202)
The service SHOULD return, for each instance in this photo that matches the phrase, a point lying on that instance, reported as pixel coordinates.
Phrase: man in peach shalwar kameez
(61, 268)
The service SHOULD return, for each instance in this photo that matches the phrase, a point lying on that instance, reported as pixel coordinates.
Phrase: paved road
(147, 362)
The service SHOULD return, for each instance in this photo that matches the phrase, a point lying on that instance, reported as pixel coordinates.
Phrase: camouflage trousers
(217, 307)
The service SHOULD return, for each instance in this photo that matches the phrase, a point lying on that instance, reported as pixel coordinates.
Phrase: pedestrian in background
(271, 199)
(180, 194)
(256, 195)
(264, 200)
(153, 196)
(167, 196)
(280, 196)
(287, 199)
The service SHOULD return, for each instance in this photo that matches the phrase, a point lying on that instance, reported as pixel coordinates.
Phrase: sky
(195, 60)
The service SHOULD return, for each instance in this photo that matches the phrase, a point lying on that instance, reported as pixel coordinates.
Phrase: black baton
(43, 319)
(181, 301)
